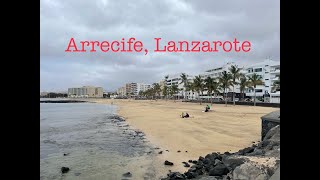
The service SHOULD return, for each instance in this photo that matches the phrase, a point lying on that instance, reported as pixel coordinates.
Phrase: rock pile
(257, 162)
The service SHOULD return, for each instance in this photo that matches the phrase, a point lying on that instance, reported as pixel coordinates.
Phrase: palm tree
(276, 84)
(199, 85)
(190, 87)
(165, 88)
(225, 81)
(173, 90)
(212, 86)
(235, 73)
(157, 88)
(243, 84)
(184, 80)
(254, 81)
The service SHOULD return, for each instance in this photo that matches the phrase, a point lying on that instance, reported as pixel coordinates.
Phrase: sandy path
(225, 129)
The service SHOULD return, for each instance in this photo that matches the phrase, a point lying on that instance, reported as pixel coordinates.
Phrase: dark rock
(176, 175)
(160, 152)
(65, 169)
(168, 163)
(206, 161)
(156, 148)
(186, 164)
(257, 152)
(227, 153)
(245, 151)
(186, 151)
(233, 162)
(219, 170)
(253, 142)
(217, 161)
(65, 154)
(127, 174)
(194, 162)
(193, 169)
(167, 150)
(189, 175)
(178, 151)
(190, 161)
(201, 158)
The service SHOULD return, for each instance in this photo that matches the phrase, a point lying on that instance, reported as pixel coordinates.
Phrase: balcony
(275, 71)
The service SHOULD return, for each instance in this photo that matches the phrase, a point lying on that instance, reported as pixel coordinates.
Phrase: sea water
(87, 138)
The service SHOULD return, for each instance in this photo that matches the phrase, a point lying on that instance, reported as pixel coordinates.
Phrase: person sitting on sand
(185, 116)
(206, 109)
(208, 106)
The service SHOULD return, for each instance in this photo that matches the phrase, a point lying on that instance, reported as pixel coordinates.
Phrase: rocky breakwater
(259, 162)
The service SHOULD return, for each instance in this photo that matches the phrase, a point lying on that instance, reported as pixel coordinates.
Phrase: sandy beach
(223, 129)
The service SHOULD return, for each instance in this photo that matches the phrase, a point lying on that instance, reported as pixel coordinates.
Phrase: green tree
(198, 84)
(184, 81)
(165, 88)
(190, 87)
(157, 89)
(212, 86)
(235, 73)
(254, 81)
(244, 83)
(173, 90)
(225, 81)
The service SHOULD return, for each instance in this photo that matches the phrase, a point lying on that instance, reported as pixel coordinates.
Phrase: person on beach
(185, 116)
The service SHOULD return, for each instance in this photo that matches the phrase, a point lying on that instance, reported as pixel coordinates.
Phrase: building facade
(175, 79)
(86, 91)
(215, 73)
(269, 71)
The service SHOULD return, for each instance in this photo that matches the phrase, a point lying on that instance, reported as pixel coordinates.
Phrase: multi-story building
(122, 91)
(175, 79)
(269, 71)
(215, 73)
(133, 89)
(86, 91)
(142, 87)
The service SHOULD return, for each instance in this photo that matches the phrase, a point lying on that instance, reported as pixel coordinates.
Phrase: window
(258, 70)
(267, 86)
(267, 79)
(258, 90)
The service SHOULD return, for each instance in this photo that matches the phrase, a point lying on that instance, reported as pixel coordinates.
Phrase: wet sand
(222, 129)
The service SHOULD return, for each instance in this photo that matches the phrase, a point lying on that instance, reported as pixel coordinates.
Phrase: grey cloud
(256, 21)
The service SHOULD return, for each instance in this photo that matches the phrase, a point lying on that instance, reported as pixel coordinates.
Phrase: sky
(110, 20)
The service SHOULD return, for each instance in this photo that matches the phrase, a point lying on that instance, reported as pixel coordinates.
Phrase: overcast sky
(252, 20)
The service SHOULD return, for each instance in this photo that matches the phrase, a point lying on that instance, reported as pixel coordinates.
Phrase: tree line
(213, 86)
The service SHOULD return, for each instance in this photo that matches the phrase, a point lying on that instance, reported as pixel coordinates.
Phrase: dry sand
(222, 129)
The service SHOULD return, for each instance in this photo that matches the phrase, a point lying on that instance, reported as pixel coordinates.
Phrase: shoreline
(227, 129)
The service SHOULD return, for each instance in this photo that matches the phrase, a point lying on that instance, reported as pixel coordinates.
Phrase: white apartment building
(176, 79)
(122, 91)
(86, 91)
(269, 71)
(216, 73)
(142, 87)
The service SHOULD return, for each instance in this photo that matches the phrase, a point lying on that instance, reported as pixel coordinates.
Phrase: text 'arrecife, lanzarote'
(133, 45)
